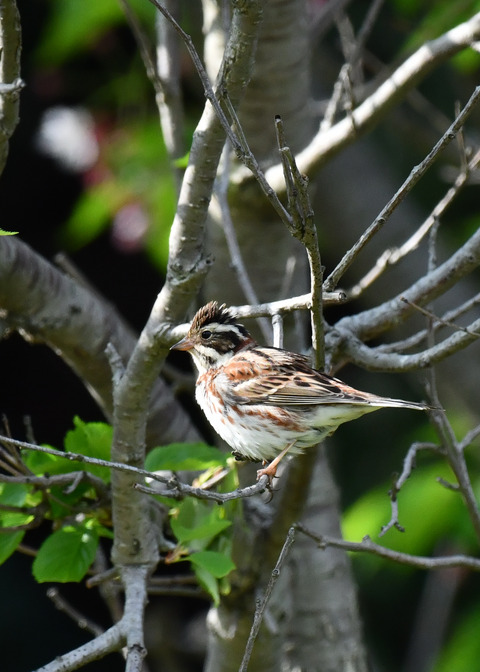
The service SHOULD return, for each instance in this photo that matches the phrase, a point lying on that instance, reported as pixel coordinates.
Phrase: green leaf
(92, 214)
(61, 502)
(43, 463)
(218, 564)
(207, 529)
(13, 494)
(208, 582)
(93, 439)
(104, 531)
(185, 456)
(66, 555)
(8, 233)
(75, 25)
(196, 523)
(9, 542)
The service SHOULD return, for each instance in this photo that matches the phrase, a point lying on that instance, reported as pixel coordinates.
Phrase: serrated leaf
(184, 457)
(218, 564)
(9, 541)
(66, 555)
(8, 233)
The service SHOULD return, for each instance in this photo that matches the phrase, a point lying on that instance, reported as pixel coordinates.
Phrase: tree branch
(303, 228)
(374, 359)
(415, 175)
(392, 256)
(175, 488)
(187, 260)
(327, 144)
(10, 82)
(46, 306)
(111, 640)
(369, 546)
(263, 601)
(370, 323)
(408, 467)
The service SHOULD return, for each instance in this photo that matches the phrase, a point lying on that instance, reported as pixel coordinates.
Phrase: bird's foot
(271, 469)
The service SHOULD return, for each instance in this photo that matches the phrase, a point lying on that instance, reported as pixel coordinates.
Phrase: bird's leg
(271, 469)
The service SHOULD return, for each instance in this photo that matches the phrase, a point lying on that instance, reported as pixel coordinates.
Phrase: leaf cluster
(78, 508)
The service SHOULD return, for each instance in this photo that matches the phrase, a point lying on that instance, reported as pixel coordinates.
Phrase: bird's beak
(185, 344)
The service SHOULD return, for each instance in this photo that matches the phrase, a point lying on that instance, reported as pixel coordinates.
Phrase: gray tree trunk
(312, 621)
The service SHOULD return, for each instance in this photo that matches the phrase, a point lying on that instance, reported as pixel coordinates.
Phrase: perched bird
(264, 401)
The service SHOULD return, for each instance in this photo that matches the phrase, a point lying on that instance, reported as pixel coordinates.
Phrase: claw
(271, 469)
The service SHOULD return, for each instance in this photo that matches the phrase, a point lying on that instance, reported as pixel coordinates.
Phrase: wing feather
(274, 377)
(281, 378)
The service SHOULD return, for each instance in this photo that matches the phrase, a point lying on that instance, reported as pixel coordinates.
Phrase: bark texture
(304, 627)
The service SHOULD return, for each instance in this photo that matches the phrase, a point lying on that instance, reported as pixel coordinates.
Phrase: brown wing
(281, 378)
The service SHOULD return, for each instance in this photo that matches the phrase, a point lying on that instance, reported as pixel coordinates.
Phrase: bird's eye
(206, 334)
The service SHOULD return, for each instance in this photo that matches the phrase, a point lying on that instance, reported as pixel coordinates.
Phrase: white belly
(252, 434)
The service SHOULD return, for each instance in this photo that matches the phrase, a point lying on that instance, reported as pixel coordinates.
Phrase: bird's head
(214, 337)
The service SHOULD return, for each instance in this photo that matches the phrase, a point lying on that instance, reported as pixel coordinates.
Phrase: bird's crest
(212, 313)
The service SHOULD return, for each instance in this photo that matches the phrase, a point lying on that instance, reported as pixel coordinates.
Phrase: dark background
(37, 196)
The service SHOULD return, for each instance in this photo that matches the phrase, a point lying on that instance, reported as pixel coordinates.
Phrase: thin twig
(335, 99)
(415, 175)
(392, 256)
(143, 46)
(469, 438)
(369, 546)
(302, 302)
(82, 621)
(102, 577)
(277, 324)
(169, 101)
(178, 490)
(419, 336)
(69, 480)
(237, 140)
(303, 228)
(263, 601)
(457, 463)
(245, 154)
(221, 194)
(366, 27)
(408, 467)
(374, 359)
(441, 321)
(175, 488)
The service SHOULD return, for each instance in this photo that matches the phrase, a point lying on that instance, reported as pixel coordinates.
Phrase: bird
(264, 401)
